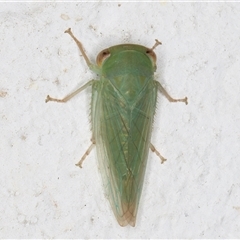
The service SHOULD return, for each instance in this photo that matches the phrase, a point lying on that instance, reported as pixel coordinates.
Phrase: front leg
(71, 95)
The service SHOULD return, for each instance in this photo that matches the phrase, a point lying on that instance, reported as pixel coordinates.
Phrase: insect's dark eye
(105, 53)
(151, 54)
(102, 56)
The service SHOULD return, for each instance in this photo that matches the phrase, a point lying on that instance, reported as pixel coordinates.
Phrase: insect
(122, 110)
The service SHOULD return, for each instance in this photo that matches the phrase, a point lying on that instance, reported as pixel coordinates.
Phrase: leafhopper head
(115, 50)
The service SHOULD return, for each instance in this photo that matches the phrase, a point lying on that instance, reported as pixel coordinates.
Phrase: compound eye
(151, 54)
(104, 54)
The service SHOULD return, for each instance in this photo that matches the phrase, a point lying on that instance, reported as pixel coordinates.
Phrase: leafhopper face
(122, 110)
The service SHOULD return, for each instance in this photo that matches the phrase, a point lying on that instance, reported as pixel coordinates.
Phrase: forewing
(122, 132)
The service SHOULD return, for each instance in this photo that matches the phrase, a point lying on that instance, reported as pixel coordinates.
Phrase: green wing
(122, 131)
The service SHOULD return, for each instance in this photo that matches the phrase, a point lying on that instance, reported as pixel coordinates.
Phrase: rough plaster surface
(195, 194)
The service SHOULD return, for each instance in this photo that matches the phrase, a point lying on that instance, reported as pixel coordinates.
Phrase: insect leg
(157, 153)
(156, 44)
(79, 164)
(71, 95)
(170, 99)
(79, 44)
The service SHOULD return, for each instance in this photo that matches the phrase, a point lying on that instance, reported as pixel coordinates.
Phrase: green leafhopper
(122, 110)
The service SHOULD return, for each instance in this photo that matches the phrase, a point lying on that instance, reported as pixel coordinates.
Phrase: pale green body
(123, 106)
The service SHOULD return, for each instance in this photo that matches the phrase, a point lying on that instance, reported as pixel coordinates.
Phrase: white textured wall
(195, 194)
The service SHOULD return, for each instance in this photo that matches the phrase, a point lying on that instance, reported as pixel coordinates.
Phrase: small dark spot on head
(102, 56)
(104, 53)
